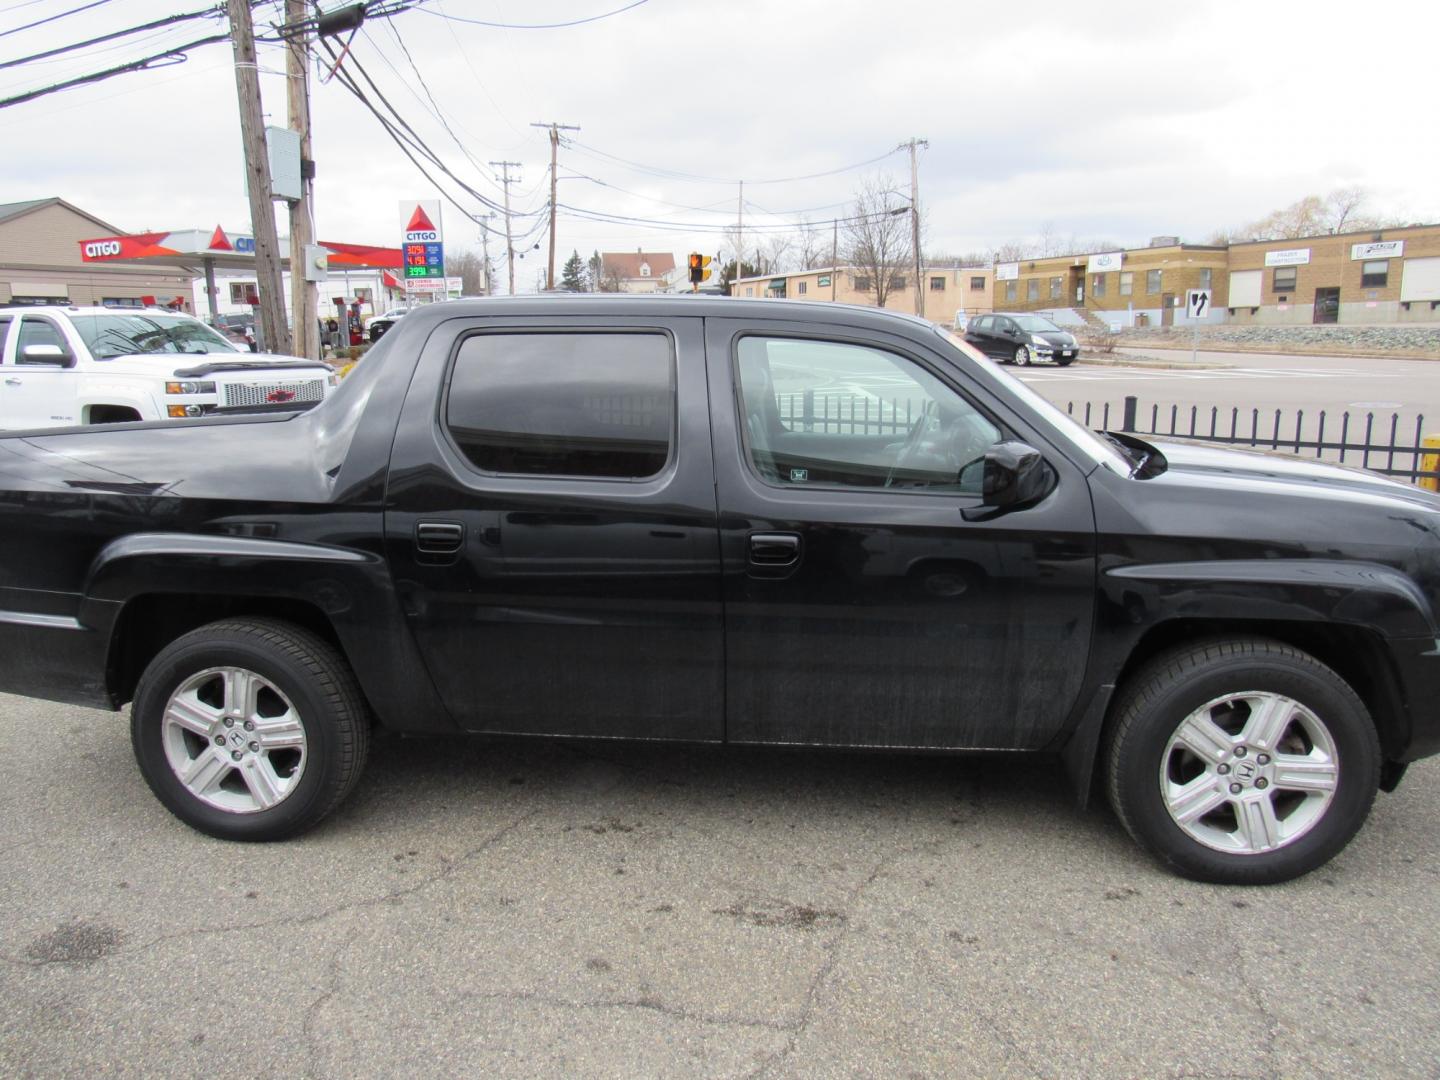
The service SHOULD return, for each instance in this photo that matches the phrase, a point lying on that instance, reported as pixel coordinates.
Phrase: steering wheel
(912, 441)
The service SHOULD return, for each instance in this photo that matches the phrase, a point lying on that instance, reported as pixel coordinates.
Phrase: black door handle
(439, 537)
(774, 549)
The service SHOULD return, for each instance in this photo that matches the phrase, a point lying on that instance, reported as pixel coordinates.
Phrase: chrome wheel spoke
(278, 732)
(1259, 828)
(192, 714)
(265, 787)
(1295, 773)
(242, 688)
(1270, 717)
(1196, 799)
(1204, 738)
(204, 773)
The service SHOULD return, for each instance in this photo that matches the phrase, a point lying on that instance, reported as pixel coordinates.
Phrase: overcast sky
(1118, 120)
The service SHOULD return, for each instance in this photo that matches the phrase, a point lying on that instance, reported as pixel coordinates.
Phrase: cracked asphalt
(561, 910)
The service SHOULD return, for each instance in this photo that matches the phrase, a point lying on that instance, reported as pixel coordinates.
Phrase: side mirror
(1015, 476)
(46, 354)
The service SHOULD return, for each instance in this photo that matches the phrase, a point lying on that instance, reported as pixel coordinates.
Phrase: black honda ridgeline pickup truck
(727, 521)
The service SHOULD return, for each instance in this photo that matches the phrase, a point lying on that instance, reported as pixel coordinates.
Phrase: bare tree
(812, 245)
(469, 267)
(776, 253)
(877, 238)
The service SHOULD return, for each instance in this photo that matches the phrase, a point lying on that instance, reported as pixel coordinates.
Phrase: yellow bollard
(1430, 463)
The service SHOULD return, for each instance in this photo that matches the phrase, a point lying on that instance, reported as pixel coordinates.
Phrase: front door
(551, 526)
(38, 392)
(862, 609)
(1327, 305)
(1167, 309)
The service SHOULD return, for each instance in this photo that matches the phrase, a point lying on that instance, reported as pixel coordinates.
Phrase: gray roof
(16, 209)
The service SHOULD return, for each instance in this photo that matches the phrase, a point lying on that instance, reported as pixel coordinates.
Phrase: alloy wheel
(234, 740)
(1249, 773)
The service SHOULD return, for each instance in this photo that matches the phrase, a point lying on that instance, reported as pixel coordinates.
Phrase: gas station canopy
(186, 248)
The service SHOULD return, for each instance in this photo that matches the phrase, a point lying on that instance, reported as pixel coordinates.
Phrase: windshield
(1099, 449)
(1035, 324)
(109, 336)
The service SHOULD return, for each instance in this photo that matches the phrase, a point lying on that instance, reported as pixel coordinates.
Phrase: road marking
(1207, 374)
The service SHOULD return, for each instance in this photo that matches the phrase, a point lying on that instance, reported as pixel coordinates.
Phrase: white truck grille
(241, 395)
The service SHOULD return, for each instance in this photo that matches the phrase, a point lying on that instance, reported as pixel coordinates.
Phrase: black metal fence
(1365, 440)
(841, 413)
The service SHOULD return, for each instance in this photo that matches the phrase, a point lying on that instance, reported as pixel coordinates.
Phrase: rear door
(552, 528)
(981, 332)
(861, 607)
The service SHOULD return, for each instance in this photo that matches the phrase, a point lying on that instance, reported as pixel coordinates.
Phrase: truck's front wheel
(250, 730)
(1241, 761)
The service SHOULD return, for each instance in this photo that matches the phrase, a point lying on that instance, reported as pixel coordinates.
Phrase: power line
(54, 18)
(211, 12)
(170, 56)
(671, 174)
(532, 26)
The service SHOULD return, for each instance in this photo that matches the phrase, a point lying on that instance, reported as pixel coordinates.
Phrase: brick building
(1136, 287)
(949, 291)
(1384, 275)
(1375, 276)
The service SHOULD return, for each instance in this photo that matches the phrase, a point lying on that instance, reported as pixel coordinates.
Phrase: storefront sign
(1103, 264)
(1288, 257)
(1384, 249)
(1007, 272)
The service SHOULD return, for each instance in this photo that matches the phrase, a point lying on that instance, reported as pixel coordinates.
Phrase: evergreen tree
(572, 276)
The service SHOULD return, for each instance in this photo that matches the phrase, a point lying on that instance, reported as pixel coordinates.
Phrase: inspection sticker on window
(799, 476)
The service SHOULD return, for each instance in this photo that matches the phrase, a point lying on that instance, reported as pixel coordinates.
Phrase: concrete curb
(1288, 350)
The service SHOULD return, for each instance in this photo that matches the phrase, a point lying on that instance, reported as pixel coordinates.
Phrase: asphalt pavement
(562, 910)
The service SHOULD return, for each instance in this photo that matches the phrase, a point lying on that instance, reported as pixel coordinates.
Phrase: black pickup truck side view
(730, 521)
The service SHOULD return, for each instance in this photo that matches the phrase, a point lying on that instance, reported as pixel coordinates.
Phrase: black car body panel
(654, 609)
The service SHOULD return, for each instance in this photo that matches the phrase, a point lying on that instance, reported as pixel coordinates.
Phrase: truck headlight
(179, 412)
(190, 387)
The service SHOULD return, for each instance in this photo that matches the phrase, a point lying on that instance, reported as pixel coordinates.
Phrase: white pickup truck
(67, 366)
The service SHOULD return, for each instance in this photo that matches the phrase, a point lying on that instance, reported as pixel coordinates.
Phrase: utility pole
(555, 130)
(485, 249)
(507, 180)
(273, 330)
(915, 218)
(739, 235)
(834, 256)
(302, 289)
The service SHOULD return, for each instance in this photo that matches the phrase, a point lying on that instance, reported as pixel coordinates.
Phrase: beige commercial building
(949, 290)
(40, 262)
(1123, 288)
(1375, 276)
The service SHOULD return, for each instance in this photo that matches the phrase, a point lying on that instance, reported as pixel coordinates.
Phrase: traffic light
(699, 268)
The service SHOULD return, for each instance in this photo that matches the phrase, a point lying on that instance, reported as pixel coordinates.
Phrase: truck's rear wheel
(1241, 761)
(250, 730)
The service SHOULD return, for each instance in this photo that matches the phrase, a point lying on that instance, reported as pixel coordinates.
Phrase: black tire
(1156, 700)
(1022, 356)
(320, 687)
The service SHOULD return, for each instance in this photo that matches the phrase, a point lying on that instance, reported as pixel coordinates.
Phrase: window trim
(442, 408)
(838, 337)
(1276, 287)
(1159, 288)
(1366, 278)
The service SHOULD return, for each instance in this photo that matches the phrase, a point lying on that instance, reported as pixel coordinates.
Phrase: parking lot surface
(547, 909)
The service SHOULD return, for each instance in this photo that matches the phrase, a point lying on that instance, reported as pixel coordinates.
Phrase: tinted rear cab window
(564, 404)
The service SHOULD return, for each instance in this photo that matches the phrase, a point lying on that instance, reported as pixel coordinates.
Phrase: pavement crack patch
(647, 1004)
(308, 1025)
(447, 870)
